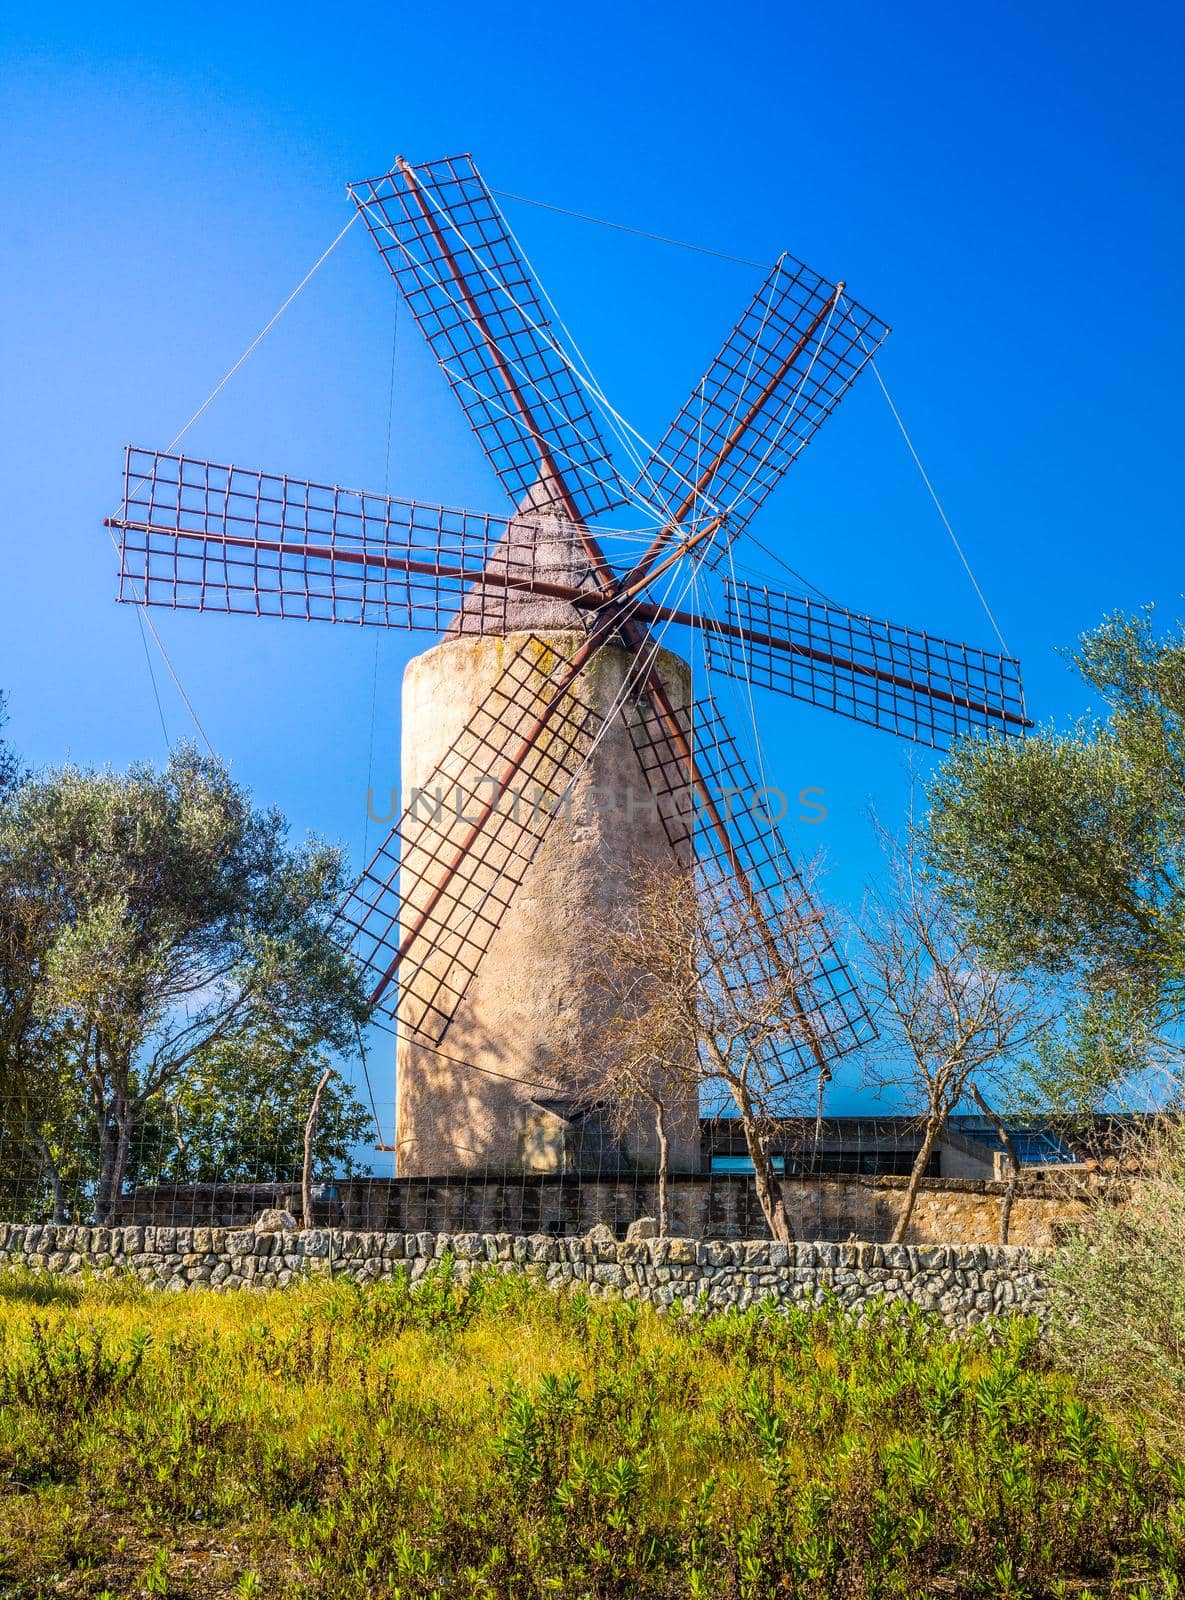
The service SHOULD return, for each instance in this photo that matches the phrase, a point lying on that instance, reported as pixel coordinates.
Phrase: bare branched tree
(642, 1065)
(950, 1022)
(707, 990)
(310, 1140)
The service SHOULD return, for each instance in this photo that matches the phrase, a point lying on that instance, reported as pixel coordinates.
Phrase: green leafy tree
(1067, 853)
(9, 765)
(30, 1041)
(167, 917)
(238, 1115)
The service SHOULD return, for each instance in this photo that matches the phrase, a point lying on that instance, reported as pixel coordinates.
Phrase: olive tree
(163, 915)
(238, 1113)
(1066, 852)
(32, 1157)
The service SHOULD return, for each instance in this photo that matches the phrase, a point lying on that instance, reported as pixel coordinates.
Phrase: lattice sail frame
(203, 536)
(773, 901)
(486, 286)
(435, 823)
(795, 310)
(914, 684)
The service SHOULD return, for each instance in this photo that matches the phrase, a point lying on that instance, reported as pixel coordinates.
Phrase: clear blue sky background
(1002, 184)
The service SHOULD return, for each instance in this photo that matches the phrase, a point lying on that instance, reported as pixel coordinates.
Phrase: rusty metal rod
(361, 558)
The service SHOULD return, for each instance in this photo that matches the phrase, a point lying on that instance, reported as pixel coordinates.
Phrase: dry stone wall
(964, 1284)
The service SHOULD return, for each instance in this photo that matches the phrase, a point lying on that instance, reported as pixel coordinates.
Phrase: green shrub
(1118, 1292)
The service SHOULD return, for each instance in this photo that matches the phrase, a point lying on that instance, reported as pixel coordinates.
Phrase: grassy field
(499, 1440)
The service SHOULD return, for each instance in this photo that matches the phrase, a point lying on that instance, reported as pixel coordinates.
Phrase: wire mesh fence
(223, 1153)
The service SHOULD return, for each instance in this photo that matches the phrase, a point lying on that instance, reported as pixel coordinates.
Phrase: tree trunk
(824, 1079)
(765, 1179)
(1013, 1162)
(310, 1134)
(115, 1141)
(934, 1125)
(1006, 1201)
(664, 1161)
(49, 1167)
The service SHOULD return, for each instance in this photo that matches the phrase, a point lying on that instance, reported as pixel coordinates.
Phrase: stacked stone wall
(963, 1284)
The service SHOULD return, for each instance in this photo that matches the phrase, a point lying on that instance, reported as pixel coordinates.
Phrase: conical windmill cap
(541, 545)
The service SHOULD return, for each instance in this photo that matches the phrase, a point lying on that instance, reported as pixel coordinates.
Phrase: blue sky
(1001, 184)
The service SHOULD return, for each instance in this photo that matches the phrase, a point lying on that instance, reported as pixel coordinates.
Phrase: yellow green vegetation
(498, 1439)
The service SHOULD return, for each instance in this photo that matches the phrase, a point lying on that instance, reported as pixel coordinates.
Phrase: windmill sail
(444, 240)
(757, 901)
(200, 536)
(924, 688)
(783, 369)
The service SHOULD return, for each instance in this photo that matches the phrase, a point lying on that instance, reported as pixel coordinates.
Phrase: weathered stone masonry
(964, 1284)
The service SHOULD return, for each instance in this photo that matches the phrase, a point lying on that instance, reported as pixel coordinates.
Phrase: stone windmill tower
(550, 707)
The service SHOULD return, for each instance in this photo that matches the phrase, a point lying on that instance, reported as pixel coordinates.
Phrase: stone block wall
(964, 1285)
(832, 1208)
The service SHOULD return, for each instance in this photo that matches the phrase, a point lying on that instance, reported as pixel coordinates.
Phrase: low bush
(1118, 1290)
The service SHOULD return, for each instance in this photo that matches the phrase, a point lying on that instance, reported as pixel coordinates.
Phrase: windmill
(551, 685)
